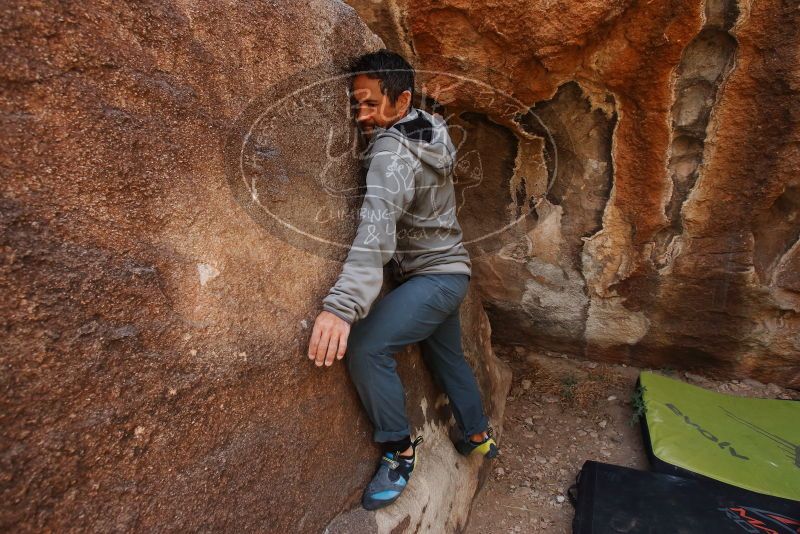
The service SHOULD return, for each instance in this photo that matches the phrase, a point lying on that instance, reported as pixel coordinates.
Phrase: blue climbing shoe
(390, 480)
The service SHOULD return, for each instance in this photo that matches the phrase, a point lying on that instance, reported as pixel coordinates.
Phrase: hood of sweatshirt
(422, 133)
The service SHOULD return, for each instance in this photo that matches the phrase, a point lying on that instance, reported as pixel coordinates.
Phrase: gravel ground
(560, 413)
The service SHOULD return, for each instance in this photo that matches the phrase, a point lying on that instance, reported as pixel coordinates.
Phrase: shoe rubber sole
(375, 504)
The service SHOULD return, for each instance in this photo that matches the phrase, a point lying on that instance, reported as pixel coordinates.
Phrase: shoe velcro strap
(393, 464)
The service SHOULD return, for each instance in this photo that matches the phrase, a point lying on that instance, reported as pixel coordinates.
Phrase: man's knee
(356, 352)
(364, 358)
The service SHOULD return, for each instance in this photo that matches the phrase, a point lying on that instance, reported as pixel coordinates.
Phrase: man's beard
(367, 133)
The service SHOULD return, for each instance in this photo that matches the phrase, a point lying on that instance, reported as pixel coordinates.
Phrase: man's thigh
(408, 314)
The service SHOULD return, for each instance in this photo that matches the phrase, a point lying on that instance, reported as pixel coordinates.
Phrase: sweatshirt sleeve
(389, 192)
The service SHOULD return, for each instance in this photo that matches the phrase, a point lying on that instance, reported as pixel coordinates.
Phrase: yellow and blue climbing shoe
(391, 478)
(486, 448)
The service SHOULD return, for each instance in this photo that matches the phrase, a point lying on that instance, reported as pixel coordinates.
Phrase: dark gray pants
(424, 310)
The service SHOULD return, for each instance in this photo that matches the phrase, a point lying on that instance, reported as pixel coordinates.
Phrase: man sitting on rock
(408, 218)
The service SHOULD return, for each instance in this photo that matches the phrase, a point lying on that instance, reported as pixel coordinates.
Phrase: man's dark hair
(394, 72)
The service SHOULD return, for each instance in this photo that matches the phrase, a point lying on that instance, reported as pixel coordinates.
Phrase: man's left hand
(328, 338)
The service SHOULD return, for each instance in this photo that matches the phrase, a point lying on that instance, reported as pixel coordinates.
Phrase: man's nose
(362, 116)
(361, 113)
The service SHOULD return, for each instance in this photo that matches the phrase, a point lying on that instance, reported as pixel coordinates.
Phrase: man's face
(373, 108)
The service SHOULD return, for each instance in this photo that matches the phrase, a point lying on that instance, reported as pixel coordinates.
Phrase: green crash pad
(750, 443)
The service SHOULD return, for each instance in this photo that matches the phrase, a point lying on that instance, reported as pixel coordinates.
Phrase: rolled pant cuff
(381, 436)
(482, 425)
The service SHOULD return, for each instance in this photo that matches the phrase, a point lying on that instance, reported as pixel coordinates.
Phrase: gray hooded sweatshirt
(408, 215)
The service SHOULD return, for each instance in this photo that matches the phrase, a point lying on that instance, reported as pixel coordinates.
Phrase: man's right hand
(328, 339)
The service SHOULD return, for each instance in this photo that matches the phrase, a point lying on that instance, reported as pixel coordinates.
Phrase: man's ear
(404, 100)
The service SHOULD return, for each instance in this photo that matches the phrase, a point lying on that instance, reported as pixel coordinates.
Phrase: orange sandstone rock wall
(652, 149)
